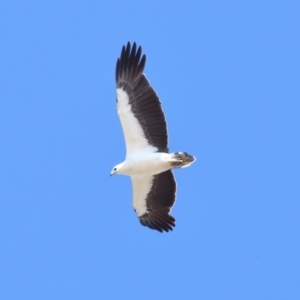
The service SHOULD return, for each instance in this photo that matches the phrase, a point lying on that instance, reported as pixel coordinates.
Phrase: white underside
(145, 164)
(135, 139)
(141, 186)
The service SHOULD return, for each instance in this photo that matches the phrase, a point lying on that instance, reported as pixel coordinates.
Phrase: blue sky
(227, 74)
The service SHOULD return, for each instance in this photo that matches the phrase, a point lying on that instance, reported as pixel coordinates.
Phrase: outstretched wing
(153, 198)
(139, 108)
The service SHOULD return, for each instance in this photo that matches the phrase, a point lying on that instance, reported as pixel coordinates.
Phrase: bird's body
(147, 162)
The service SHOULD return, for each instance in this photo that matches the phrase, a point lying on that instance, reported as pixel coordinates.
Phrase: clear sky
(228, 76)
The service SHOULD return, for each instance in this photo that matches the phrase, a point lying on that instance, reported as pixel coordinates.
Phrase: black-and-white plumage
(147, 162)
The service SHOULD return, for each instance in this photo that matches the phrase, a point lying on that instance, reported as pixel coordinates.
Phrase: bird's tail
(182, 160)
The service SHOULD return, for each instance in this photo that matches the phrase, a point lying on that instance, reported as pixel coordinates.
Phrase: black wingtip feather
(130, 63)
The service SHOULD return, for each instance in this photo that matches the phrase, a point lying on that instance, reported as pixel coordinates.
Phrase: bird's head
(116, 169)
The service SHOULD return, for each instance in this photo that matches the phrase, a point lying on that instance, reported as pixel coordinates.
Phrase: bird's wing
(139, 109)
(153, 198)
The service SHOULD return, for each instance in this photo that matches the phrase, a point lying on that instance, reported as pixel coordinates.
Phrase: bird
(148, 161)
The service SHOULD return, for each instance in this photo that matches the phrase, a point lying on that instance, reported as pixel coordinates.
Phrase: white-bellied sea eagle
(148, 161)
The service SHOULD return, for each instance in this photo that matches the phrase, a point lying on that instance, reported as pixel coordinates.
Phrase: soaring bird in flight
(148, 161)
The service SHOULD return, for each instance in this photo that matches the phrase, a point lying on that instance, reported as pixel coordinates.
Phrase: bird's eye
(115, 169)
